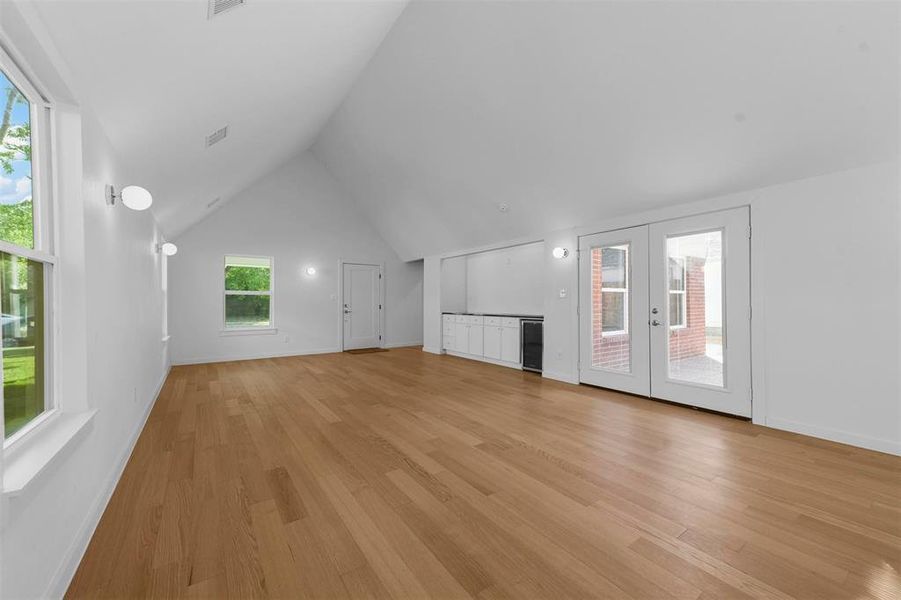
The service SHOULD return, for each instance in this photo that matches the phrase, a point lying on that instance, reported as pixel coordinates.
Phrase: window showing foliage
(16, 210)
(252, 279)
(248, 292)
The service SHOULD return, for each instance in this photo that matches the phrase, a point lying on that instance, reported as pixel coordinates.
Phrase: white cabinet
(448, 331)
(510, 343)
(461, 337)
(476, 334)
(492, 341)
(495, 339)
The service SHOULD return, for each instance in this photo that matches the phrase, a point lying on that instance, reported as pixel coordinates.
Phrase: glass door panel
(610, 333)
(695, 308)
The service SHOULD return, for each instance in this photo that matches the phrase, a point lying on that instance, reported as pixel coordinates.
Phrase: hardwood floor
(407, 475)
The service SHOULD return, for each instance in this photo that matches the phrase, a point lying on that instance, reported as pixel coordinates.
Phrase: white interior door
(613, 283)
(362, 297)
(700, 311)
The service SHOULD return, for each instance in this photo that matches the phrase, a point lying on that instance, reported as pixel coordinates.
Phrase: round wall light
(135, 197)
(169, 249)
(310, 271)
(559, 252)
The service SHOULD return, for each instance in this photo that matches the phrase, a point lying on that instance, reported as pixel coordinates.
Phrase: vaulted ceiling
(433, 114)
(160, 76)
(571, 112)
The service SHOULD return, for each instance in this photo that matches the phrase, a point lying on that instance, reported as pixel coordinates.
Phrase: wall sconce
(133, 196)
(168, 248)
(310, 271)
(559, 252)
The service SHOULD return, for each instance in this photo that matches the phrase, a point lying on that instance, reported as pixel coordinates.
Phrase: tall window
(26, 258)
(248, 292)
(615, 290)
(677, 286)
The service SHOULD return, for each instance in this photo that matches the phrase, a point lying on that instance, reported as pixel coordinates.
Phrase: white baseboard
(236, 357)
(403, 344)
(564, 377)
(60, 581)
(432, 350)
(835, 435)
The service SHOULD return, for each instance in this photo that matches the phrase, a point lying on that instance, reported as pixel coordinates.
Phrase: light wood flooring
(407, 475)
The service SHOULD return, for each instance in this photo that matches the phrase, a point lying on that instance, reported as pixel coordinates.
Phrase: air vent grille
(217, 136)
(217, 7)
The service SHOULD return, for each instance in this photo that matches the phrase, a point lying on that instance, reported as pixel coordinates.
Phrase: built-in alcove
(504, 281)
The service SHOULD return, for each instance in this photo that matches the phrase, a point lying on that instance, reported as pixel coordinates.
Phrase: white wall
(112, 359)
(453, 284)
(826, 260)
(297, 215)
(431, 304)
(825, 298)
(509, 280)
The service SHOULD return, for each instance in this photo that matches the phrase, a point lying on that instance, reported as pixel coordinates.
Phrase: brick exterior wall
(691, 340)
(612, 351)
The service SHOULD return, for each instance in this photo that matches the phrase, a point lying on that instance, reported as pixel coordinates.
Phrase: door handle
(347, 311)
(655, 323)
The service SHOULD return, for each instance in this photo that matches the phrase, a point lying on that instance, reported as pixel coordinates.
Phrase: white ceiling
(571, 112)
(160, 76)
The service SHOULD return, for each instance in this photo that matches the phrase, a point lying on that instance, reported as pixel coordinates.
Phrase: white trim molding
(252, 356)
(835, 435)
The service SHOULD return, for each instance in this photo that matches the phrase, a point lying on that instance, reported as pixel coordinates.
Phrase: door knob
(654, 311)
(655, 322)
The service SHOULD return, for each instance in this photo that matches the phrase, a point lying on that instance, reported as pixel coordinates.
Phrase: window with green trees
(248, 292)
(23, 265)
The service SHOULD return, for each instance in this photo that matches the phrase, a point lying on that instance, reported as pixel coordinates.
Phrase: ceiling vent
(217, 136)
(217, 7)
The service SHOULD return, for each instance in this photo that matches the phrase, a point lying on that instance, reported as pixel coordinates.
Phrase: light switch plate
(563, 293)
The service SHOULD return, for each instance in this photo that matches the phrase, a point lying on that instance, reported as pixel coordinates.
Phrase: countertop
(491, 314)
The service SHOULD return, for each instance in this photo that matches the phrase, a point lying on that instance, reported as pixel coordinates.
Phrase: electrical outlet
(287, 339)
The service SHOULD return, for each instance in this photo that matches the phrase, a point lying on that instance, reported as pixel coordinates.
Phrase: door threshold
(670, 402)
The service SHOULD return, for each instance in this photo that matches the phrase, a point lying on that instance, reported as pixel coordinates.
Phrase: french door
(665, 311)
(613, 308)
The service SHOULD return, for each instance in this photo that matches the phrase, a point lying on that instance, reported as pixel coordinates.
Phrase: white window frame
(683, 292)
(43, 183)
(271, 329)
(624, 291)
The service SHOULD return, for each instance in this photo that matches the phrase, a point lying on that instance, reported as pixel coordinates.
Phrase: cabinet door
(510, 344)
(449, 343)
(461, 337)
(475, 340)
(492, 342)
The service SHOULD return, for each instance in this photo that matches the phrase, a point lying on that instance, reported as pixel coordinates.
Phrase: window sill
(30, 456)
(259, 331)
